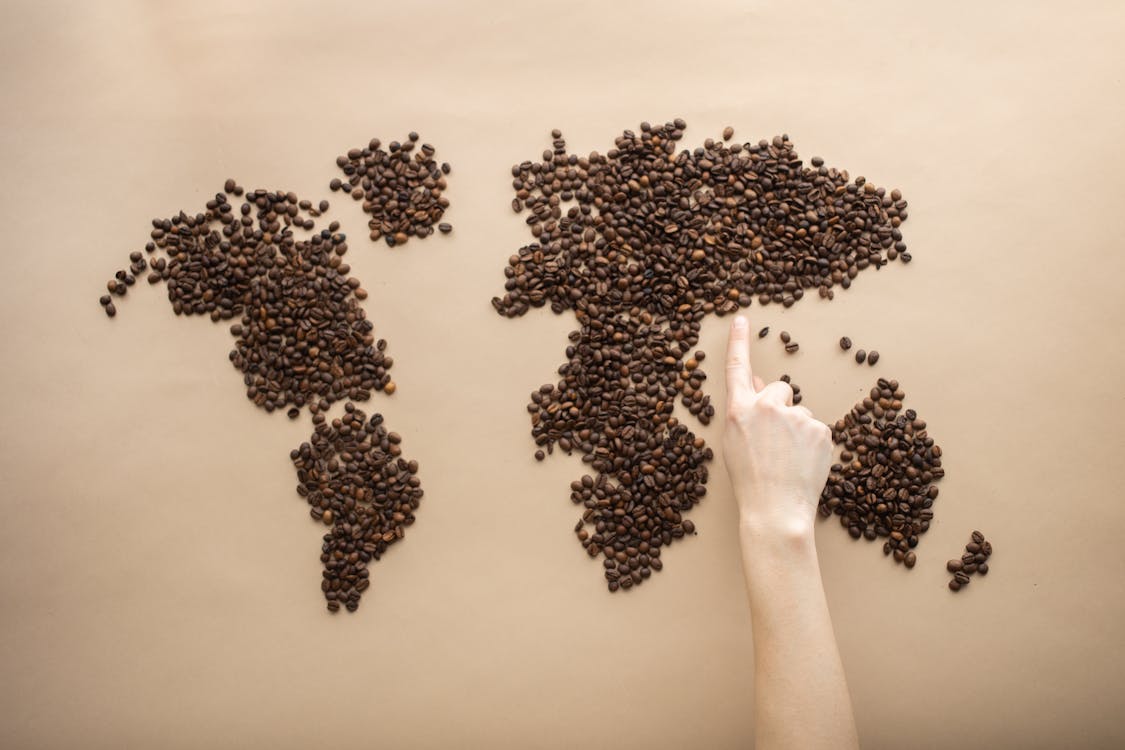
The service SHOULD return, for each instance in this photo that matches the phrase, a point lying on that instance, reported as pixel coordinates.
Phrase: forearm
(801, 695)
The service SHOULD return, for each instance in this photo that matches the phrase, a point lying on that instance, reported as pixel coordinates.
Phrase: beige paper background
(158, 575)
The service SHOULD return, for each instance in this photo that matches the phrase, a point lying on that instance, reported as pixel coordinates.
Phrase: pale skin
(778, 456)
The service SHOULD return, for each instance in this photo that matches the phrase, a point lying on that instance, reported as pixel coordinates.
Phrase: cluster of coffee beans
(401, 189)
(975, 560)
(121, 281)
(794, 387)
(860, 355)
(883, 485)
(301, 333)
(641, 243)
(353, 475)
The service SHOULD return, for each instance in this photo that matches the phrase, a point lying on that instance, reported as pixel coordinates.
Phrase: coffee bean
(625, 239)
(983, 568)
(872, 357)
(785, 337)
(954, 565)
(764, 332)
(860, 356)
(978, 537)
(445, 228)
(955, 585)
(961, 577)
(910, 559)
(792, 347)
(104, 300)
(540, 455)
(110, 310)
(728, 133)
(845, 343)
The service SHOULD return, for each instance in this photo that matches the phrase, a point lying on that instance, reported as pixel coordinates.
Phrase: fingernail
(740, 323)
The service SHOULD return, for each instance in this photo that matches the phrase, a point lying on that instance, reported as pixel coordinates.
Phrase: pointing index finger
(739, 373)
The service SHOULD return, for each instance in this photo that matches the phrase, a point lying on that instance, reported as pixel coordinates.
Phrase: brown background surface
(158, 575)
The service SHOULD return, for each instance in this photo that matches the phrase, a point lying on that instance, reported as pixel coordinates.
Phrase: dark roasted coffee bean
(860, 356)
(104, 300)
(845, 343)
(445, 228)
(540, 455)
(792, 347)
(954, 585)
(962, 577)
(983, 568)
(110, 310)
(785, 337)
(764, 332)
(954, 565)
(728, 133)
(978, 537)
(872, 357)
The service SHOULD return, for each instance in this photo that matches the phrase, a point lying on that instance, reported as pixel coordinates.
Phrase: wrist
(788, 534)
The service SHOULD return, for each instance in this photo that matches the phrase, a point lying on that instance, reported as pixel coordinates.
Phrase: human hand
(777, 454)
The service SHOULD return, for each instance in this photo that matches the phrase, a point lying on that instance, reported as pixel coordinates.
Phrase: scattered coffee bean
(793, 387)
(764, 332)
(642, 242)
(883, 485)
(728, 133)
(860, 356)
(975, 560)
(785, 337)
(110, 309)
(872, 357)
(792, 347)
(845, 343)
(354, 478)
(400, 189)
